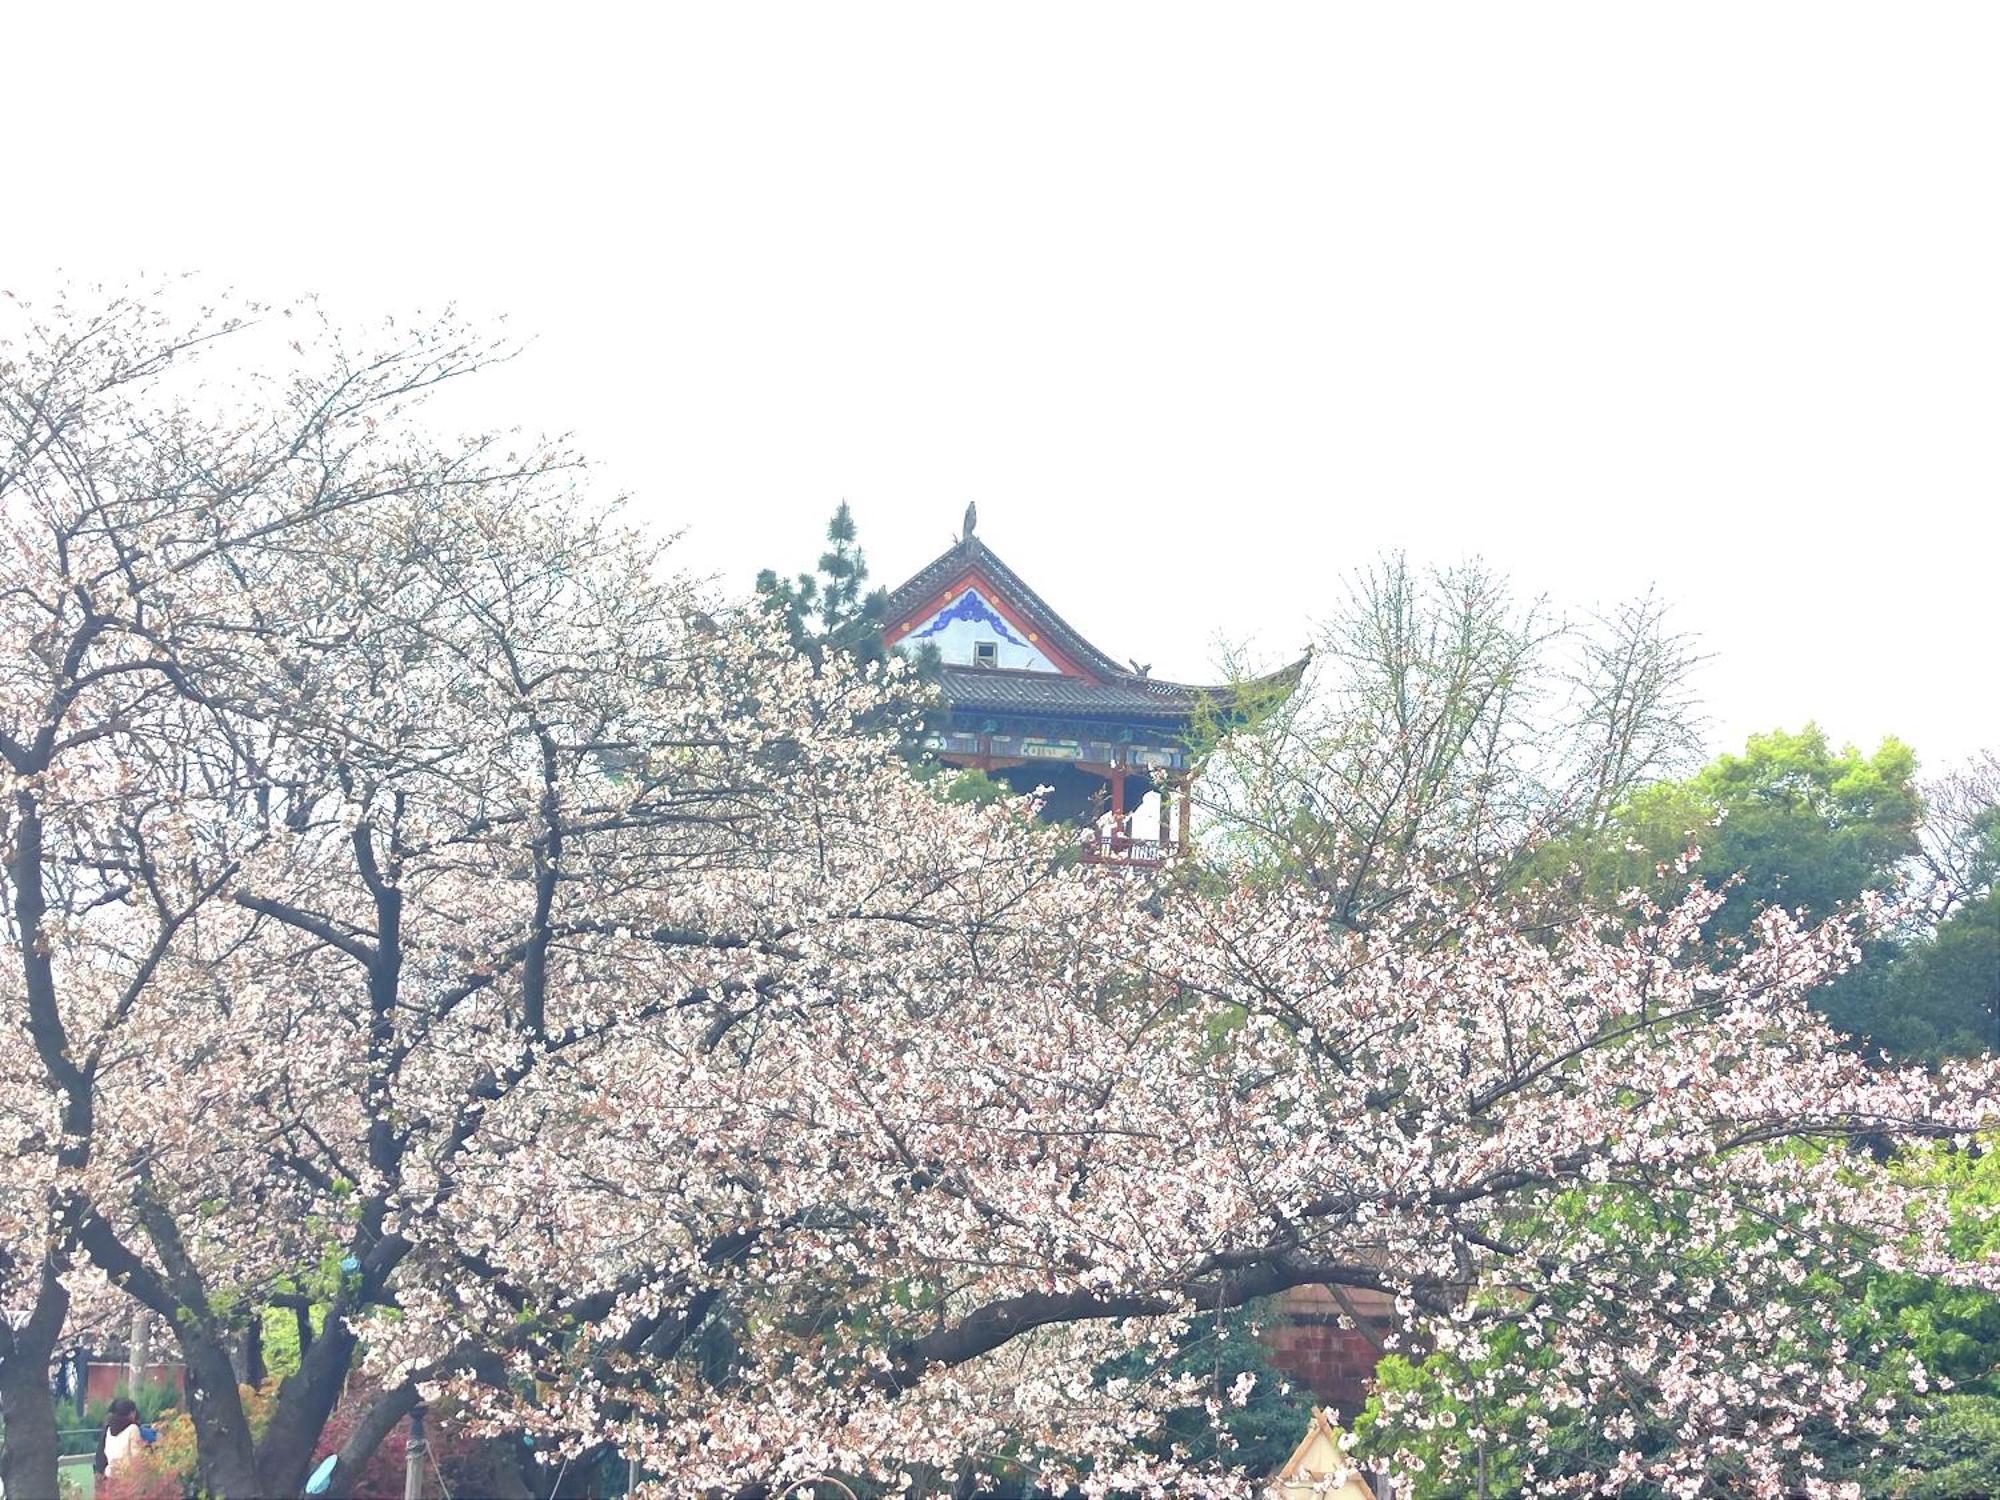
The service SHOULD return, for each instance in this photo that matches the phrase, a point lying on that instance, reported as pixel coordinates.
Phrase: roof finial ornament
(971, 520)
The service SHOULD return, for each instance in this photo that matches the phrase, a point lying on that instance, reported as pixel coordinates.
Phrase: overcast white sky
(1203, 307)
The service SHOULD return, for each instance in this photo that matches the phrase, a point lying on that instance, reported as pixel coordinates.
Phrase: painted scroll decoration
(969, 620)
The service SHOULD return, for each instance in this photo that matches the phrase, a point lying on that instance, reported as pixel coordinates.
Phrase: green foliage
(1256, 1436)
(73, 1415)
(963, 787)
(1955, 1331)
(281, 1343)
(154, 1398)
(1954, 1455)
(1446, 1450)
(281, 1338)
(829, 610)
(1939, 997)
(1795, 822)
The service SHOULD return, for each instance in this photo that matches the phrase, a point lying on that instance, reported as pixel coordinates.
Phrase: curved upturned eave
(1125, 696)
(1174, 699)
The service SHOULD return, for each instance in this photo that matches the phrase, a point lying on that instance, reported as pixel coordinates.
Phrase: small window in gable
(986, 653)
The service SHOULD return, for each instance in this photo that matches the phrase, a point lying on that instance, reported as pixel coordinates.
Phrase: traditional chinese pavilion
(1032, 703)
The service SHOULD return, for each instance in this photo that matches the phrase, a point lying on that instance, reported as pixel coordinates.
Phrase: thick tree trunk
(224, 1455)
(495, 1471)
(27, 1404)
(285, 1457)
(376, 1423)
(28, 1407)
(250, 1351)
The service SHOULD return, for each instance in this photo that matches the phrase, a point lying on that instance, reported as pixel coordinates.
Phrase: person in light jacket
(120, 1437)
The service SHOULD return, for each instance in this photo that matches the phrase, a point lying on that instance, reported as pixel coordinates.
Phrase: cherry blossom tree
(931, 1225)
(455, 786)
(1628, 1159)
(131, 492)
(419, 891)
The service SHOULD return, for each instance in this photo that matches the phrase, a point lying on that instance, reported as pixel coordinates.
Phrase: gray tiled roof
(971, 688)
(1121, 693)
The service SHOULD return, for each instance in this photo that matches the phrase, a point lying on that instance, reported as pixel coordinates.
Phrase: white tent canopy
(1319, 1468)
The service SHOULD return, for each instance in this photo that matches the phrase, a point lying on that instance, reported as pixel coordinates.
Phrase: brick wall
(106, 1380)
(1334, 1363)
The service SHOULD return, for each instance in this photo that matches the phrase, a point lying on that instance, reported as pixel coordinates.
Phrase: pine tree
(831, 610)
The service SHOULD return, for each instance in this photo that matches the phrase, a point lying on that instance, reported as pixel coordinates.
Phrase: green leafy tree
(1955, 1455)
(832, 609)
(1942, 993)
(1940, 996)
(1792, 820)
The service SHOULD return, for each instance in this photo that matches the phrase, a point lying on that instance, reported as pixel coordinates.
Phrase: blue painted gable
(971, 608)
(966, 623)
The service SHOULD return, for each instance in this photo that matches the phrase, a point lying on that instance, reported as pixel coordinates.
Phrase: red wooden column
(1186, 806)
(1118, 839)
